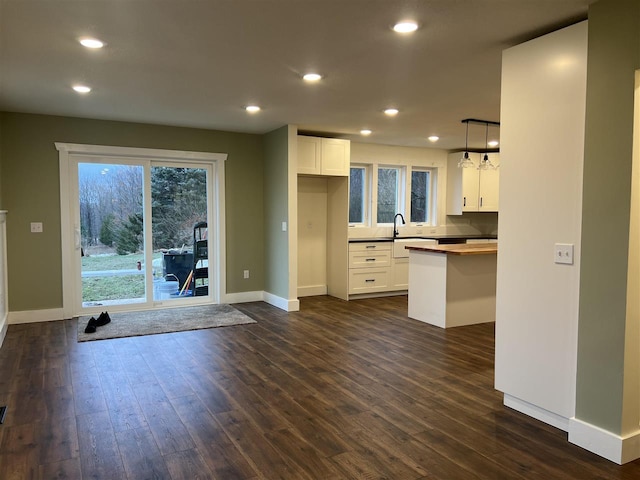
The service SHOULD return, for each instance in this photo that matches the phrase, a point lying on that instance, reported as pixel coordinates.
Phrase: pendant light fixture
(486, 164)
(465, 161)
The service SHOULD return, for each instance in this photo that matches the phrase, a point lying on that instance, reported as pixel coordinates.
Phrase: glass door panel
(179, 200)
(112, 234)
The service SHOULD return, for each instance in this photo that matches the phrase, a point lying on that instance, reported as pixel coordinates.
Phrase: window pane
(420, 183)
(356, 195)
(387, 194)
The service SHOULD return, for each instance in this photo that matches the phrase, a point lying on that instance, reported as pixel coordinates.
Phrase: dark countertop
(443, 239)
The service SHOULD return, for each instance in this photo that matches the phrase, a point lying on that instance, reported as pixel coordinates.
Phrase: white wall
(373, 154)
(542, 149)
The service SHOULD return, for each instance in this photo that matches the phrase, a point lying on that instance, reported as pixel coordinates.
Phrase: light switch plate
(563, 253)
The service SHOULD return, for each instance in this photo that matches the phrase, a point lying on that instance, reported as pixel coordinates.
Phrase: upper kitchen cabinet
(470, 189)
(323, 156)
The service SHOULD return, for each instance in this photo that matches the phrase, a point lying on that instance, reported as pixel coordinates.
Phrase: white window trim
(216, 205)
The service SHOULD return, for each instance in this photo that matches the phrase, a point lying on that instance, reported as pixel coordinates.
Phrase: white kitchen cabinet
(323, 156)
(470, 189)
(369, 267)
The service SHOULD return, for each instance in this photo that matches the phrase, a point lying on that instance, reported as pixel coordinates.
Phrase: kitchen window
(358, 192)
(422, 195)
(389, 191)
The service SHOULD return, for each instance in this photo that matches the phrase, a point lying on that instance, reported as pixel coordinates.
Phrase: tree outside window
(357, 194)
(420, 195)
(388, 179)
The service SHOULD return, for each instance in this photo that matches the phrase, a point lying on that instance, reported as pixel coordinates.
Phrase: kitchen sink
(399, 243)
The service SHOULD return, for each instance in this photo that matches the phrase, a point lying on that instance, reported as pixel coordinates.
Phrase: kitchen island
(453, 285)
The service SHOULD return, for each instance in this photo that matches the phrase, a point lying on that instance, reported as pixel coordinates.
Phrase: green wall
(614, 55)
(30, 191)
(276, 205)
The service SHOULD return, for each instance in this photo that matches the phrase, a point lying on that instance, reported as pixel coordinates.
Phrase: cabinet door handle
(370, 280)
(370, 259)
(480, 201)
(371, 246)
(464, 201)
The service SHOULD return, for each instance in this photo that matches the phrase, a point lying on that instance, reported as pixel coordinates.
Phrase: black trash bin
(178, 264)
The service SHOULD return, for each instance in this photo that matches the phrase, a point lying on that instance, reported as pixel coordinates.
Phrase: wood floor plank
(223, 458)
(140, 454)
(339, 390)
(187, 465)
(63, 470)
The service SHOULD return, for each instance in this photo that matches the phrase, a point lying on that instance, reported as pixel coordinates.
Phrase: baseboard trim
(4, 324)
(312, 291)
(536, 412)
(604, 443)
(282, 303)
(243, 297)
(33, 316)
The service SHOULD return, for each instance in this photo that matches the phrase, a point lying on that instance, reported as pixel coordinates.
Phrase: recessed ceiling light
(493, 143)
(81, 88)
(91, 42)
(312, 77)
(391, 111)
(365, 132)
(406, 26)
(252, 108)
(434, 138)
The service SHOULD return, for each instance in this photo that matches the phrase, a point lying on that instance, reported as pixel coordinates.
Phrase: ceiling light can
(81, 88)
(365, 132)
(91, 42)
(391, 112)
(311, 77)
(252, 108)
(433, 138)
(405, 26)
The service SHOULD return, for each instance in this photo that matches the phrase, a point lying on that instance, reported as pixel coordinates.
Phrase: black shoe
(103, 319)
(91, 326)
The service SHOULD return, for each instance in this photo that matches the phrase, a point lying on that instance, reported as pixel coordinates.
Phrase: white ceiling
(196, 63)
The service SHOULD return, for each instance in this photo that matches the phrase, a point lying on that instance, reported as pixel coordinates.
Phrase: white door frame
(70, 236)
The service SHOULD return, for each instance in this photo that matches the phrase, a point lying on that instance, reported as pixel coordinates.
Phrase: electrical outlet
(246, 274)
(563, 253)
(284, 226)
(36, 227)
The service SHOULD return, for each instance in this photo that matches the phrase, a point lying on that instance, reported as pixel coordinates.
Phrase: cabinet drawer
(370, 246)
(363, 280)
(373, 259)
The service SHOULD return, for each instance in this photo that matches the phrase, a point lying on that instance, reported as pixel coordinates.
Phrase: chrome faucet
(395, 228)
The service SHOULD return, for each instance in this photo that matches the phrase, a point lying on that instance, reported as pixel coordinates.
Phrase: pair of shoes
(102, 320)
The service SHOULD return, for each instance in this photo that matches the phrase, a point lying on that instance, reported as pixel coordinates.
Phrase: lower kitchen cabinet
(400, 274)
(369, 267)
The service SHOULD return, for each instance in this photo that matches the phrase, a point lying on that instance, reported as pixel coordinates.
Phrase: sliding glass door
(143, 233)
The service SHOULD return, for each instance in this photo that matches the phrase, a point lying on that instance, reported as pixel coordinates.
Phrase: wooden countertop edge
(459, 249)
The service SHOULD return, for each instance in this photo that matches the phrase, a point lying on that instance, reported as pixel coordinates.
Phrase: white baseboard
(4, 324)
(242, 297)
(32, 316)
(604, 443)
(282, 303)
(536, 412)
(312, 291)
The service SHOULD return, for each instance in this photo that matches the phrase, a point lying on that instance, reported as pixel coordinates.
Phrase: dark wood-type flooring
(339, 390)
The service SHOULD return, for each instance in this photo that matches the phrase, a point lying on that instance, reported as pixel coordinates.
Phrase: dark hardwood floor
(339, 390)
